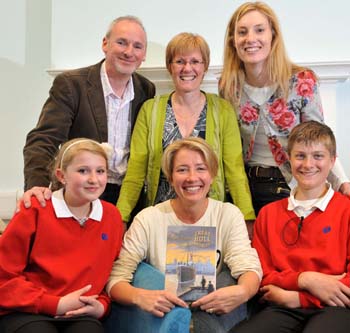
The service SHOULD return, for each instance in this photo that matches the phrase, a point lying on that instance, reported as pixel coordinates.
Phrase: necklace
(82, 220)
(81, 214)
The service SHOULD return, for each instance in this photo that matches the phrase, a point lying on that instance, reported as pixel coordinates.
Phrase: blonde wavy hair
(196, 144)
(279, 67)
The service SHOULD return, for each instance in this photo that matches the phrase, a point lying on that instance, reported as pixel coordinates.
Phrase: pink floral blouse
(303, 104)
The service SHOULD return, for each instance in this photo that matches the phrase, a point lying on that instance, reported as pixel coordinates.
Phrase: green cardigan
(146, 150)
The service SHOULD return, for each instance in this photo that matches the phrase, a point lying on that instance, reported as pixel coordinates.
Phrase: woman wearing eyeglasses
(185, 112)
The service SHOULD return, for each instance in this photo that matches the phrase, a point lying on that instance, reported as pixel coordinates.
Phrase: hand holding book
(157, 302)
(222, 300)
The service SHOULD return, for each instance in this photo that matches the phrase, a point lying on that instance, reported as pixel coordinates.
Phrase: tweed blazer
(75, 108)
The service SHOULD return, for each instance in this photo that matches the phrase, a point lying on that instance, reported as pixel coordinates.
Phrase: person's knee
(204, 322)
(329, 319)
(41, 326)
(86, 326)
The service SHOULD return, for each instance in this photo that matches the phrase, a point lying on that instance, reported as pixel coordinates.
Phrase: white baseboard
(8, 203)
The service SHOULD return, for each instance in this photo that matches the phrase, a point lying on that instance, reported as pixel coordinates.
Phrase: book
(190, 269)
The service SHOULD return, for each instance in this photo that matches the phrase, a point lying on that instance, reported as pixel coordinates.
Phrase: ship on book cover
(190, 261)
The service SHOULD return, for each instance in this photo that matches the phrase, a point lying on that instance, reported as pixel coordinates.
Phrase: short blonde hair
(71, 149)
(194, 144)
(185, 42)
(279, 67)
(310, 132)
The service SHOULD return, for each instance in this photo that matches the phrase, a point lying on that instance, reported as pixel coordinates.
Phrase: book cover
(190, 261)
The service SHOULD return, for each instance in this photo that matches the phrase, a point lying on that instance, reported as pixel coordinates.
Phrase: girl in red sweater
(303, 244)
(55, 260)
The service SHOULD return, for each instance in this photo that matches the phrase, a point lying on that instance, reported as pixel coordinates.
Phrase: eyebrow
(129, 40)
(186, 165)
(312, 152)
(254, 26)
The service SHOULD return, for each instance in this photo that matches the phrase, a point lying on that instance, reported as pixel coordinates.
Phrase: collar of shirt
(62, 211)
(108, 91)
(300, 206)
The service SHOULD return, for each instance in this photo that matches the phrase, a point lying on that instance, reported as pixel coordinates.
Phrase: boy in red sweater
(303, 244)
(55, 260)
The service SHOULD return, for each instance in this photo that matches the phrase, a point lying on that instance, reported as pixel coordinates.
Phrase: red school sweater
(43, 258)
(323, 245)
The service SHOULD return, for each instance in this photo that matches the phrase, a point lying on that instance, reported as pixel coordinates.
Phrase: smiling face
(190, 177)
(84, 179)
(187, 71)
(124, 48)
(311, 165)
(253, 38)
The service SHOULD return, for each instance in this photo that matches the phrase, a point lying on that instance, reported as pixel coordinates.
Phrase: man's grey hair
(125, 18)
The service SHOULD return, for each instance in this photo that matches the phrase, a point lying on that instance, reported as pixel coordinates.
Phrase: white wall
(25, 28)
(37, 35)
(314, 30)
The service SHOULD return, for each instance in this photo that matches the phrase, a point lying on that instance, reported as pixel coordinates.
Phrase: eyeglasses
(291, 230)
(193, 63)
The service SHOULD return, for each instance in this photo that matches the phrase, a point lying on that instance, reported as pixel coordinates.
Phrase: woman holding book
(190, 166)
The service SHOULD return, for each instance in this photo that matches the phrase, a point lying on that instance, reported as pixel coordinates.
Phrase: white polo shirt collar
(62, 211)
